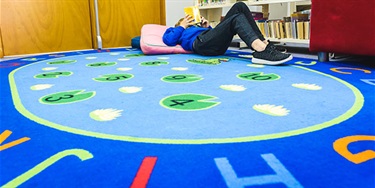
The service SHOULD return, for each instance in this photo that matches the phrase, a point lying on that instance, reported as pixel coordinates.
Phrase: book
(282, 29)
(306, 27)
(260, 24)
(277, 29)
(257, 15)
(272, 28)
(288, 30)
(288, 27)
(299, 17)
(266, 29)
(300, 30)
(294, 29)
(193, 11)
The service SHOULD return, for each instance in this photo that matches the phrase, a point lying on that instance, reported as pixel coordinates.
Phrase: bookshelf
(212, 10)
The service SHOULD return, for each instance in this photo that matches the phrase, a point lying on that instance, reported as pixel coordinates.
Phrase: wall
(42, 26)
(30, 26)
(175, 10)
(122, 20)
(278, 10)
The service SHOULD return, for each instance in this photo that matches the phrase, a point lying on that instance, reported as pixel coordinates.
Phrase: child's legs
(216, 41)
(241, 7)
(213, 42)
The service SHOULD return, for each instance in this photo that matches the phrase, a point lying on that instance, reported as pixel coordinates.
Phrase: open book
(193, 11)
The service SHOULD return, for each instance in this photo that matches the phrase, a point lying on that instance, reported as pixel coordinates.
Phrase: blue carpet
(118, 118)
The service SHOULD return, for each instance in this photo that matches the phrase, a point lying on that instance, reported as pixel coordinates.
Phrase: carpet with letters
(119, 118)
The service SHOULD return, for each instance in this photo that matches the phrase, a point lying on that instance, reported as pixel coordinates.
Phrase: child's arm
(172, 35)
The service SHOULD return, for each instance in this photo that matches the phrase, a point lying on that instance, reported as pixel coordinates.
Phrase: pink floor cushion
(152, 41)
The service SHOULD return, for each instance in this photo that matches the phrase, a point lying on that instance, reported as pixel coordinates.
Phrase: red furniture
(346, 27)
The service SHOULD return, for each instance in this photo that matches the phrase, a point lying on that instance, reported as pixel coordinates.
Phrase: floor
(295, 51)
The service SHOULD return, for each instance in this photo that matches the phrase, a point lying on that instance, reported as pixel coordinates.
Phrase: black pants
(239, 21)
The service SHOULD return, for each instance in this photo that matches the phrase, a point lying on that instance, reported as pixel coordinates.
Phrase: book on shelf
(295, 26)
(299, 17)
(300, 30)
(260, 24)
(294, 29)
(284, 28)
(194, 12)
(258, 15)
(288, 30)
(288, 27)
(306, 28)
(277, 29)
(211, 2)
(272, 29)
(266, 29)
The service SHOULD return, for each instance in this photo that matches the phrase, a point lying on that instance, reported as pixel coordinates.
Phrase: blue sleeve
(172, 35)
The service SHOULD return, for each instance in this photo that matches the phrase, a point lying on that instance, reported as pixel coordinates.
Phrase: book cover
(306, 27)
(260, 24)
(272, 29)
(282, 29)
(294, 29)
(262, 28)
(276, 26)
(288, 30)
(193, 11)
(266, 29)
(300, 32)
(257, 15)
(299, 17)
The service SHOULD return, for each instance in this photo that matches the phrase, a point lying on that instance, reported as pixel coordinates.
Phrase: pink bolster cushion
(152, 41)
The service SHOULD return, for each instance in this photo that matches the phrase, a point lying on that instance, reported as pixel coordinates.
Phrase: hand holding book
(193, 11)
(186, 21)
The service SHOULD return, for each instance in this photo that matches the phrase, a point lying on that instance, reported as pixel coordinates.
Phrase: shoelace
(273, 49)
(277, 49)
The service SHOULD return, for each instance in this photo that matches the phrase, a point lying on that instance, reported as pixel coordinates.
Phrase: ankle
(258, 45)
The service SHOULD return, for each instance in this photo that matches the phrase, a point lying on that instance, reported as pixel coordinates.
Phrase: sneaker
(278, 48)
(270, 56)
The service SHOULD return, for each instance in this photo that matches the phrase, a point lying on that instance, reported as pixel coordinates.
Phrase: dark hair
(178, 23)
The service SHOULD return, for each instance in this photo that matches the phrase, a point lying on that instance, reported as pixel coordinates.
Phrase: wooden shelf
(254, 3)
(301, 43)
(266, 2)
(290, 40)
(216, 6)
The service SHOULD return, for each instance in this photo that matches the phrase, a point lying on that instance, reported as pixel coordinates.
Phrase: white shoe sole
(265, 62)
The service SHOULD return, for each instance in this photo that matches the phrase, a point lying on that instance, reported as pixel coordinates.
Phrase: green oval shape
(53, 74)
(101, 64)
(154, 63)
(62, 62)
(66, 97)
(189, 102)
(114, 77)
(258, 76)
(182, 78)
